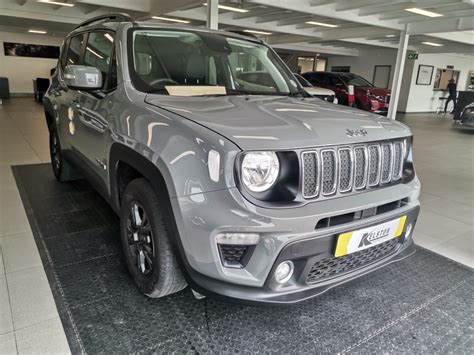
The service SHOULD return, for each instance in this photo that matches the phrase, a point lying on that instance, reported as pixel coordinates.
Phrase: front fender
(174, 146)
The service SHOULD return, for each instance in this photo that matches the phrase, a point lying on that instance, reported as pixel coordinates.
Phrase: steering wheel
(162, 81)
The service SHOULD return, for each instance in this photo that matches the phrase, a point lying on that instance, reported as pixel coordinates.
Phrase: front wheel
(63, 171)
(146, 242)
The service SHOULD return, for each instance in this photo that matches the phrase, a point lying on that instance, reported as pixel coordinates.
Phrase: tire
(146, 242)
(62, 169)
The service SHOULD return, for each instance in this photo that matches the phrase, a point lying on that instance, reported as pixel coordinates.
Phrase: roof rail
(113, 17)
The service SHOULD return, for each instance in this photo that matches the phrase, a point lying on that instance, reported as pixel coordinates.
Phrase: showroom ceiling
(323, 26)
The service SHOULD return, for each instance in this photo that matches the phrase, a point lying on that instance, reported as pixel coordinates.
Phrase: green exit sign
(412, 55)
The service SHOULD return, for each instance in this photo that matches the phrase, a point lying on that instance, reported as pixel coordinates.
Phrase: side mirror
(81, 77)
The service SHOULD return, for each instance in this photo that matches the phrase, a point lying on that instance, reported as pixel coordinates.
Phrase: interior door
(94, 108)
(382, 76)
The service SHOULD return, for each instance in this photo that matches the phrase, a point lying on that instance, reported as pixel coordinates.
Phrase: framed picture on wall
(425, 73)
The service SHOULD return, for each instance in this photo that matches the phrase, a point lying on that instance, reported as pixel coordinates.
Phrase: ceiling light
(423, 12)
(390, 36)
(109, 37)
(432, 44)
(56, 3)
(170, 19)
(41, 32)
(321, 24)
(257, 32)
(94, 53)
(229, 8)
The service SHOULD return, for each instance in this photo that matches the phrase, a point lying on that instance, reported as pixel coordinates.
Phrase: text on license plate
(361, 239)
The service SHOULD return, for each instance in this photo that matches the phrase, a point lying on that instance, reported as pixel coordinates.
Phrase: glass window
(319, 79)
(99, 51)
(356, 80)
(335, 81)
(185, 58)
(74, 51)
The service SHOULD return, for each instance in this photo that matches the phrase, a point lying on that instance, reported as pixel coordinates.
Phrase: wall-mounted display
(425, 73)
(30, 50)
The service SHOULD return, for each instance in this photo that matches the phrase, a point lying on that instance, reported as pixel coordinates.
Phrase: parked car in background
(320, 93)
(466, 120)
(367, 96)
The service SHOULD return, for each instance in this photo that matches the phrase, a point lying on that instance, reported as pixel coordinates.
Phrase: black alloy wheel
(140, 238)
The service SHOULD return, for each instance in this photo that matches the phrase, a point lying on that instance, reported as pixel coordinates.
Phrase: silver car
(246, 189)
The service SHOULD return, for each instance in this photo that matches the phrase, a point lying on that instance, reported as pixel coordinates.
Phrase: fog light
(409, 230)
(237, 238)
(284, 271)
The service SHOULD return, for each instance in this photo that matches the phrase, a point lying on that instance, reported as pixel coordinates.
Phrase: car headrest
(196, 68)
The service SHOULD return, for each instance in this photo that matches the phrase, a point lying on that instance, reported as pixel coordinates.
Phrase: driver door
(94, 109)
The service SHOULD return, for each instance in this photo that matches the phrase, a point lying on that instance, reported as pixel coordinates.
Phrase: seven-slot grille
(344, 169)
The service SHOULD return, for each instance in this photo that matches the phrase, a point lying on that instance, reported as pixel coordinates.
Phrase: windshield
(167, 61)
(356, 80)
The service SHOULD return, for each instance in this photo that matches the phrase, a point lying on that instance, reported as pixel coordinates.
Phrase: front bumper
(200, 217)
(304, 254)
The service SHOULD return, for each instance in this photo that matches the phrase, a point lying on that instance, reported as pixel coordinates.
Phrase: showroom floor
(28, 316)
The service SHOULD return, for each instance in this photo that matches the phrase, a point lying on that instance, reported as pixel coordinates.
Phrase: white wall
(365, 63)
(422, 98)
(21, 71)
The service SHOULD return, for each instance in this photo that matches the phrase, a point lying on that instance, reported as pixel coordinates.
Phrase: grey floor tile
(20, 252)
(43, 338)
(425, 241)
(460, 248)
(6, 324)
(452, 209)
(7, 344)
(440, 227)
(30, 296)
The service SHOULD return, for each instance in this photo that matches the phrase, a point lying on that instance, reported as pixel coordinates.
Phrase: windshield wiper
(301, 93)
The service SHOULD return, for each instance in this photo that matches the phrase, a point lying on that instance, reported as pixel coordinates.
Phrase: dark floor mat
(421, 304)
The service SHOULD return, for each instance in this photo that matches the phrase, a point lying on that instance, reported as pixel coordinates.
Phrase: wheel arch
(48, 112)
(126, 164)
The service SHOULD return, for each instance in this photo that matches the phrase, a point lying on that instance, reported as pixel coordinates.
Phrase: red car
(367, 96)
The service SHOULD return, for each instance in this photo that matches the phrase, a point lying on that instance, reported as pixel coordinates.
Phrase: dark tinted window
(335, 81)
(99, 52)
(318, 79)
(74, 51)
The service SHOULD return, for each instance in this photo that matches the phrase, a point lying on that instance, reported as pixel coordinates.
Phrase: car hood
(375, 91)
(276, 122)
(313, 90)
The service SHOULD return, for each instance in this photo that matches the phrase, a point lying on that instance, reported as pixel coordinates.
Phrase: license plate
(361, 239)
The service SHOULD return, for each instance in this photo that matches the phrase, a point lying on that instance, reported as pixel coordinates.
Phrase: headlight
(260, 170)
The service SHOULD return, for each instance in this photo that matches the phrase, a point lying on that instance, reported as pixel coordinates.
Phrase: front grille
(329, 171)
(332, 266)
(345, 169)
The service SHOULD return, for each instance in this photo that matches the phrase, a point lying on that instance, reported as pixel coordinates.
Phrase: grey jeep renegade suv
(225, 174)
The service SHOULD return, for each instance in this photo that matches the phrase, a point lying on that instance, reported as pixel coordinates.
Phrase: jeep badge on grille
(356, 132)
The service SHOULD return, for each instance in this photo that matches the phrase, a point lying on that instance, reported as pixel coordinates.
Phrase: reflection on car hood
(276, 122)
(319, 91)
(374, 91)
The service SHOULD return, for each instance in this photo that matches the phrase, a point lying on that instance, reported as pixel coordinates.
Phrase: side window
(73, 56)
(99, 54)
(322, 79)
(335, 81)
